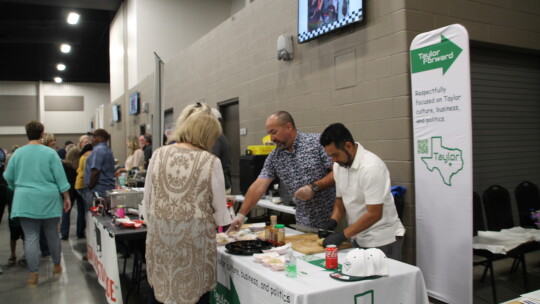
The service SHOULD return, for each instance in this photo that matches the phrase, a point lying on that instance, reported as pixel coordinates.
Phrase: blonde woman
(185, 189)
(83, 141)
(135, 158)
(79, 181)
(49, 140)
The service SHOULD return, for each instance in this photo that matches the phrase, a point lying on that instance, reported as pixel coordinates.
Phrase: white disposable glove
(304, 193)
(237, 223)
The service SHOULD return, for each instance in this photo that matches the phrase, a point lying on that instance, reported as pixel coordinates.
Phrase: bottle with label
(279, 235)
(272, 232)
(122, 179)
(290, 264)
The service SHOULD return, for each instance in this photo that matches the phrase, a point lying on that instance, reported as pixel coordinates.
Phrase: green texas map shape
(447, 161)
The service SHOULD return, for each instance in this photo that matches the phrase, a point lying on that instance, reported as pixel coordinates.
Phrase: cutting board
(307, 243)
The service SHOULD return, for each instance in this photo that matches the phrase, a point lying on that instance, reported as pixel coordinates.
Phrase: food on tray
(277, 264)
(244, 235)
(320, 242)
(281, 249)
(223, 239)
(257, 227)
(260, 257)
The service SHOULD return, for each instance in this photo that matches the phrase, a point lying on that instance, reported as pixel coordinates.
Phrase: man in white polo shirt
(363, 194)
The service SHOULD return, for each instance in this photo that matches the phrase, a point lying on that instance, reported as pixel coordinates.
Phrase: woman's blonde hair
(48, 138)
(133, 144)
(70, 146)
(81, 139)
(197, 125)
(72, 157)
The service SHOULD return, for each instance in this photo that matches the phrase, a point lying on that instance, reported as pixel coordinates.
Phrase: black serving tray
(247, 247)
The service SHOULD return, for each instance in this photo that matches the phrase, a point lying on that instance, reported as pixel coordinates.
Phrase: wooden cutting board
(307, 243)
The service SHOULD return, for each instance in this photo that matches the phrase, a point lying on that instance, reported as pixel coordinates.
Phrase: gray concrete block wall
(359, 77)
(508, 23)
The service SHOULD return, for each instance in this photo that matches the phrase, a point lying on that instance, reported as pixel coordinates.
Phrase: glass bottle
(279, 233)
(272, 232)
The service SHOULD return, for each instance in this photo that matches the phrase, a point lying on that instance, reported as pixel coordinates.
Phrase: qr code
(423, 147)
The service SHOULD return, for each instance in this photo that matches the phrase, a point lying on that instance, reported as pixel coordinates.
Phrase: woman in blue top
(36, 176)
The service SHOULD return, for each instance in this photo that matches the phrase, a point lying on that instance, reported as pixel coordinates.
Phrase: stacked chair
(527, 199)
(498, 210)
(482, 257)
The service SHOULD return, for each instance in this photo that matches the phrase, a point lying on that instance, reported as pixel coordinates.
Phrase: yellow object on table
(261, 149)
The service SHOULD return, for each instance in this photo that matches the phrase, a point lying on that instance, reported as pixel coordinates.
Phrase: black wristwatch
(315, 188)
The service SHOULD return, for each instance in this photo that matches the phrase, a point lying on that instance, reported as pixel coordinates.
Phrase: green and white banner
(441, 105)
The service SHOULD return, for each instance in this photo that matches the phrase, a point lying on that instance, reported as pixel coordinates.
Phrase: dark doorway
(231, 128)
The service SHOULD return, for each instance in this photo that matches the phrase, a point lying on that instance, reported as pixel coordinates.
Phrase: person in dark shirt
(62, 151)
(70, 165)
(145, 141)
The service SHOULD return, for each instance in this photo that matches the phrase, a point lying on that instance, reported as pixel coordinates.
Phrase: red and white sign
(102, 256)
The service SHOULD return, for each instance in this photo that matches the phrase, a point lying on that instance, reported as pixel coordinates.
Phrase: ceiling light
(73, 18)
(57, 79)
(65, 48)
(61, 67)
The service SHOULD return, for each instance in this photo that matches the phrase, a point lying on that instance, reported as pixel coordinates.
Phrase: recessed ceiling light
(65, 48)
(73, 18)
(61, 67)
(57, 79)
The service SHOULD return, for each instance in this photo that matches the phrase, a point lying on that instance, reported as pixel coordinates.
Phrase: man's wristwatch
(315, 188)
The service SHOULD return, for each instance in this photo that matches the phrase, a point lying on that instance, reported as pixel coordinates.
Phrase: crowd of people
(41, 183)
(331, 177)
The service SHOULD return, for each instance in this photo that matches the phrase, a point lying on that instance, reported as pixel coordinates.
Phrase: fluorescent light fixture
(57, 79)
(65, 48)
(60, 67)
(73, 18)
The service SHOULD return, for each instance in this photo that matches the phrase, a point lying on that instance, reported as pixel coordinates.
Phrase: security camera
(285, 50)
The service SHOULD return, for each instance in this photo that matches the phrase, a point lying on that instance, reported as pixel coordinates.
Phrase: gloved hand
(304, 193)
(237, 223)
(330, 226)
(334, 239)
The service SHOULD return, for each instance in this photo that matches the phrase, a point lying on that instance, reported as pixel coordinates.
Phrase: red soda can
(331, 257)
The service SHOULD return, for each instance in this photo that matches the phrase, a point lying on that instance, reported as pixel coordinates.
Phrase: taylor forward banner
(441, 105)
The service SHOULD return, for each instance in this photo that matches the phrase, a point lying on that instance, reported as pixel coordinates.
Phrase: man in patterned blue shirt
(302, 165)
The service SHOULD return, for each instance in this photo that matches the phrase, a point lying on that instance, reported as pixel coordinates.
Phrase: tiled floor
(78, 282)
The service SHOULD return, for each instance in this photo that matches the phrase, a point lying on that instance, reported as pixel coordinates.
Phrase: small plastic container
(122, 180)
(290, 264)
(121, 211)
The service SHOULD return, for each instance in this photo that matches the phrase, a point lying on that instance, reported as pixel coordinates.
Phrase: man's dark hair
(284, 117)
(336, 134)
(68, 142)
(148, 138)
(34, 129)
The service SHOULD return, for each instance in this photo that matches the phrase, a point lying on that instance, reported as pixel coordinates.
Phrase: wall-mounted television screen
(134, 103)
(318, 17)
(116, 113)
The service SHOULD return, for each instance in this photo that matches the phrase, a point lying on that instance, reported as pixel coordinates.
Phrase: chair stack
(498, 212)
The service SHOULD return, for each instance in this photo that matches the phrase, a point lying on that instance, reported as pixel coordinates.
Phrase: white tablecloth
(501, 242)
(240, 278)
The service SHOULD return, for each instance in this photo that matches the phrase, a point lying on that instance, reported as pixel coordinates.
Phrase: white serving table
(241, 280)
